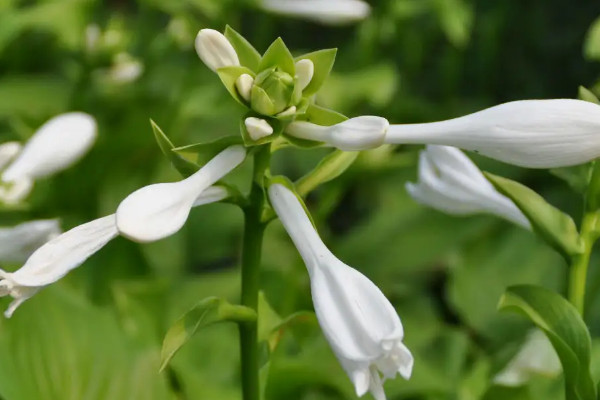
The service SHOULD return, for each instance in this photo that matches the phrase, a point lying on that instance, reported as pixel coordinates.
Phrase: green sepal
(316, 115)
(247, 54)
(184, 166)
(323, 61)
(278, 55)
(330, 167)
(229, 75)
(587, 95)
(275, 124)
(205, 151)
(548, 222)
(565, 329)
(207, 312)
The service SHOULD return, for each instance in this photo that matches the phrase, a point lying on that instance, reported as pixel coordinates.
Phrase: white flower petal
(18, 242)
(244, 84)
(211, 195)
(8, 151)
(214, 50)
(58, 144)
(157, 211)
(305, 69)
(257, 128)
(324, 11)
(529, 133)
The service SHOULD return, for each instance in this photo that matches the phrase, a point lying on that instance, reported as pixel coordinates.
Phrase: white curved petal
(528, 133)
(16, 191)
(58, 144)
(257, 128)
(157, 211)
(305, 69)
(244, 84)
(8, 151)
(211, 195)
(214, 50)
(18, 242)
(324, 11)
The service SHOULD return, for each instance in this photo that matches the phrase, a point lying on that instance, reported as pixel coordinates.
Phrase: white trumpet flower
(214, 50)
(331, 12)
(157, 211)
(358, 321)
(450, 182)
(528, 133)
(536, 357)
(355, 134)
(56, 145)
(18, 242)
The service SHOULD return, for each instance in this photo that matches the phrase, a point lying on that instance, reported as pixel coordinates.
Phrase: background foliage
(97, 334)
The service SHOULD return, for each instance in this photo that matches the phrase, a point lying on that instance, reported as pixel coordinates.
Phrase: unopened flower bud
(272, 92)
(305, 69)
(243, 84)
(214, 50)
(258, 128)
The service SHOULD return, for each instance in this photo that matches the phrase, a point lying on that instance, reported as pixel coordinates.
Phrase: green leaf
(204, 151)
(330, 167)
(323, 116)
(591, 46)
(587, 95)
(551, 224)
(323, 62)
(247, 54)
(184, 166)
(229, 75)
(278, 55)
(565, 329)
(209, 311)
(577, 177)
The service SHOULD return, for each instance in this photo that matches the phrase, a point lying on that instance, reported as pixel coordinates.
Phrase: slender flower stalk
(528, 133)
(450, 182)
(330, 12)
(358, 321)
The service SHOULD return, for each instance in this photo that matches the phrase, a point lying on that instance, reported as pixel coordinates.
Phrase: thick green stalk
(580, 262)
(251, 255)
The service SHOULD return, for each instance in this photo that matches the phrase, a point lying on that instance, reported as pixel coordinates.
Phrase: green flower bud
(272, 92)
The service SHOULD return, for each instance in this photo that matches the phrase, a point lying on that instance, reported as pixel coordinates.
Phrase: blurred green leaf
(323, 61)
(591, 46)
(565, 329)
(587, 95)
(577, 177)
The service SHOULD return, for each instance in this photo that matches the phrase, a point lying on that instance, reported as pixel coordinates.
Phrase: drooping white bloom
(257, 128)
(536, 357)
(450, 182)
(214, 50)
(157, 211)
(8, 151)
(305, 69)
(359, 133)
(527, 133)
(333, 12)
(56, 145)
(358, 321)
(18, 242)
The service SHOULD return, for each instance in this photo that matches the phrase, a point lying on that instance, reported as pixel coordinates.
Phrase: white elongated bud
(359, 133)
(56, 145)
(17, 243)
(157, 211)
(450, 182)
(360, 324)
(287, 112)
(214, 50)
(528, 133)
(257, 128)
(305, 69)
(8, 151)
(331, 12)
(243, 84)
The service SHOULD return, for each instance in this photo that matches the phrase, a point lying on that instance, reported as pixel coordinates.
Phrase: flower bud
(272, 92)
(214, 50)
(258, 128)
(305, 69)
(244, 84)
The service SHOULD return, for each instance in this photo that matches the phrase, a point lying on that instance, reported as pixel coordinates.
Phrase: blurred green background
(97, 333)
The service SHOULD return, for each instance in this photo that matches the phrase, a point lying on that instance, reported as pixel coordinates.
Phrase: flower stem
(580, 262)
(251, 255)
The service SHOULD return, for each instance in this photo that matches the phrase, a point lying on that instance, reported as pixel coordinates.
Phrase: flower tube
(450, 182)
(18, 242)
(528, 133)
(360, 324)
(332, 12)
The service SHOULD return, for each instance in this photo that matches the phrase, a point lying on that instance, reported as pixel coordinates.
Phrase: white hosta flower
(157, 211)
(334, 12)
(528, 133)
(305, 69)
(257, 128)
(56, 145)
(8, 151)
(18, 242)
(214, 50)
(536, 357)
(358, 321)
(450, 182)
(359, 133)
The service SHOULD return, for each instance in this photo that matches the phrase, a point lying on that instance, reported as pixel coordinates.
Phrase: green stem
(580, 262)
(251, 255)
